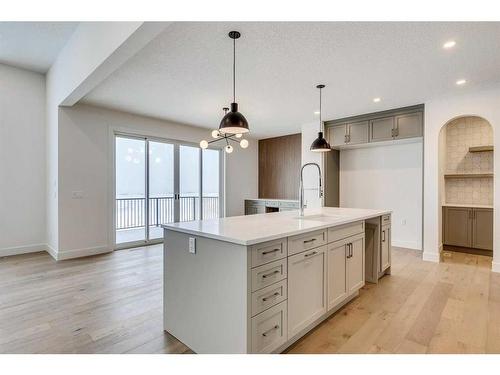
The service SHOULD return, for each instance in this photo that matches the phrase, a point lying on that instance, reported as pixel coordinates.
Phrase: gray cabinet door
(408, 125)
(458, 226)
(482, 233)
(306, 288)
(357, 132)
(337, 135)
(381, 129)
(356, 263)
(385, 248)
(337, 276)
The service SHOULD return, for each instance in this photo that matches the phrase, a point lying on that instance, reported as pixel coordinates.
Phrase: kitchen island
(256, 284)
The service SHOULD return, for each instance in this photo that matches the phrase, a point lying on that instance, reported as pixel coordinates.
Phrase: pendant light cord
(234, 70)
(320, 127)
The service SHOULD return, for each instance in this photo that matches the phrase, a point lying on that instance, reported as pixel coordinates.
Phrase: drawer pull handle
(383, 236)
(311, 240)
(310, 254)
(270, 274)
(271, 296)
(270, 330)
(270, 251)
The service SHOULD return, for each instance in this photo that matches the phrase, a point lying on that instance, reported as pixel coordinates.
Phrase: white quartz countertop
(252, 229)
(272, 200)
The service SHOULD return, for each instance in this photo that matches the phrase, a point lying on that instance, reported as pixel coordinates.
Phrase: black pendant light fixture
(227, 138)
(234, 122)
(320, 144)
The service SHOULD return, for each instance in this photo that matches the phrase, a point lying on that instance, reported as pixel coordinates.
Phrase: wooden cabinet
(355, 263)
(306, 288)
(376, 127)
(482, 228)
(357, 132)
(468, 227)
(337, 135)
(385, 247)
(382, 129)
(261, 206)
(337, 273)
(408, 125)
(346, 268)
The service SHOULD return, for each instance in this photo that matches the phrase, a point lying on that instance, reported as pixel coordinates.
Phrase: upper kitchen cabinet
(376, 127)
(408, 125)
(351, 133)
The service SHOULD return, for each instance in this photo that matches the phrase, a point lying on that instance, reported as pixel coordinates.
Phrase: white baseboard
(430, 257)
(35, 248)
(406, 244)
(495, 267)
(52, 252)
(78, 253)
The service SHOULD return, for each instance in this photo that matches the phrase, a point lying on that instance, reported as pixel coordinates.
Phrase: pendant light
(234, 122)
(320, 144)
(225, 137)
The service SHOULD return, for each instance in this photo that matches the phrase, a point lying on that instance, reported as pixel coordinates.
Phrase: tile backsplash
(461, 134)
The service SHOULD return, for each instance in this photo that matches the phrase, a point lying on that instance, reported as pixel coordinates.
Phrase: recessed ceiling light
(449, 44)
(461, 82)
(316, 112)
(376, 100)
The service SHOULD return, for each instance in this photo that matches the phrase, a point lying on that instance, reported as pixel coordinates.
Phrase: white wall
(438, 112)
(386, 177)
(85, 154)
(22, 155)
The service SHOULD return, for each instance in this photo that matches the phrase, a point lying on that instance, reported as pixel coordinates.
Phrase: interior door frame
(125, 133)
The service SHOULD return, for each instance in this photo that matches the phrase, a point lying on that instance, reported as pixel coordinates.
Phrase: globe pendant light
(234, 122)
(320, 144)
(225, 137)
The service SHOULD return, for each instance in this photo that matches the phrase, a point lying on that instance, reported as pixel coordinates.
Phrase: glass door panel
(189, 183)
(161, 187)
(130, 190)
(211, 184)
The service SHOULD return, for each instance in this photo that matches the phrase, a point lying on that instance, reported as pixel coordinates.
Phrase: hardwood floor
(112, 303)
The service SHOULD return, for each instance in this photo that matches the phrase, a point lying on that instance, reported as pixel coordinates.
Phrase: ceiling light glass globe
(215, 134)
(229, 149)
(203, 144)
(239, 135)
(244, 143)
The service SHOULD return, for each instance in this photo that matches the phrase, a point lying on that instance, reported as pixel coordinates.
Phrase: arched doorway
(466, 186)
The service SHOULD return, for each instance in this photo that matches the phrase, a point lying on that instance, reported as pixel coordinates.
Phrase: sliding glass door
(159, 182)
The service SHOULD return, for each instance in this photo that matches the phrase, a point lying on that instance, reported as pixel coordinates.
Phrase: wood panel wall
(279, 165)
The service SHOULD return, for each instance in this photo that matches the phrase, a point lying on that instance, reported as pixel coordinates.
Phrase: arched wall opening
(466, 184)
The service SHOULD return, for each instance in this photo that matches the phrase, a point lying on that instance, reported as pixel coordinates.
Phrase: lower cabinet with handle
(307, 285)
(346, 268)
(468, 227)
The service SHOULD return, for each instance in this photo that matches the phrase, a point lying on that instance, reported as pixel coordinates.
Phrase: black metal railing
(131, 212)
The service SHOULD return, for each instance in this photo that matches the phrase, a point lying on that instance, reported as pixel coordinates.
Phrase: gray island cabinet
(256, 284)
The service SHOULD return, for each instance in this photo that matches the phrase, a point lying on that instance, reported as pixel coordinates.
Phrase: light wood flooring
(112, 303)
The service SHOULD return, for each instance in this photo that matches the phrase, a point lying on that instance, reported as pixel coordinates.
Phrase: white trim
(430, 257)
(52, 252)
(495, 267)
(78, 253)
(17, 250)
(407, 244)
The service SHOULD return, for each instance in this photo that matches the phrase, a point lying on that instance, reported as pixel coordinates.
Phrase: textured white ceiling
(33, 45)
(185, 73)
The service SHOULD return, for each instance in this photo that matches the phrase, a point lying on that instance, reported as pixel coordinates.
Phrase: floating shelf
(468, 175)
(480, 148)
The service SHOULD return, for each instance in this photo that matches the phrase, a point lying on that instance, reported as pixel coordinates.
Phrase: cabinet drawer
(267, 252)
(344, 231)
(268, 274)
(386, 219)
(302, 242)
(268, 297)
(269, 329)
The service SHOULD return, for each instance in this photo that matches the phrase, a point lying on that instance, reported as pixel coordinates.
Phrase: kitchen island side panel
(205, 294)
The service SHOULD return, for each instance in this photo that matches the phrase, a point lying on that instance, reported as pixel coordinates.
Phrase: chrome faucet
(301, 187)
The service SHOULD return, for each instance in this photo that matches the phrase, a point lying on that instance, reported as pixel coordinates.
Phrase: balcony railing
(131, 212)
